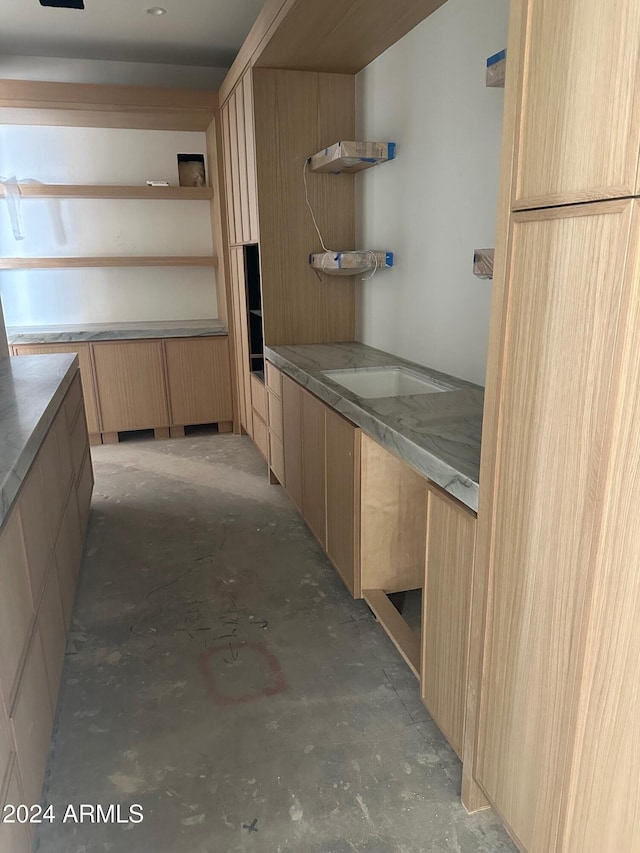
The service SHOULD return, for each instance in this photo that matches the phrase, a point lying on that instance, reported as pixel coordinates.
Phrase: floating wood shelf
(351, 263)
(108, 261)
(351, 156)
(483, 263)
(496, 70)
(115, 192)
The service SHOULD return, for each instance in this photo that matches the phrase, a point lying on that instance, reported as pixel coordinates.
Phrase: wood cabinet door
(252, 232)
(199, 380)
(580, 102)
(292, 441)
(313, 465)
(446, 608)
(131, 385)
(343, 498)
(565, 270)
(16, 605)
(86, 374)
(225, 120)
(604, 782)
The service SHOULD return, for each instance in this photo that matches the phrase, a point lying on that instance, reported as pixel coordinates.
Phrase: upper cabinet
(240, 163)
(579, 132)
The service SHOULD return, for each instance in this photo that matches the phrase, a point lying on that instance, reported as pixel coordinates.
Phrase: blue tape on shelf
(496, 58)
(391, 150)
(338, 258)
(389, 259)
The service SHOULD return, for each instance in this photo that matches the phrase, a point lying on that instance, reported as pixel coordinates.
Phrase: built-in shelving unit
(106, 191)
(483, 263)
(496, 70)
(108, 261)
(351, 157)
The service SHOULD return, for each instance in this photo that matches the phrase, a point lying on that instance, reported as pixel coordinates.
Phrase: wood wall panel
(553, 405)
(296, 114)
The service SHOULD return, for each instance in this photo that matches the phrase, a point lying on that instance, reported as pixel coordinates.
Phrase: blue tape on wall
(391, 150)
(496, 58)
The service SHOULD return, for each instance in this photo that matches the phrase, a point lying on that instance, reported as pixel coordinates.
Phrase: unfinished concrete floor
(219, 674)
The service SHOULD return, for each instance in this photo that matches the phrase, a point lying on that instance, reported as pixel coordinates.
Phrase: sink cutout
(371, 382)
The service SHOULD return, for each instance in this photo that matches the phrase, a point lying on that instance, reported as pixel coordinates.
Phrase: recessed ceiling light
(156, 10)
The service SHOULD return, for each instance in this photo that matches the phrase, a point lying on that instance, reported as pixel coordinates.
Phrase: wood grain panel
(16, 606)
(79, 443)
(259, 397)
(72, 403)
(244, 336)
(275, 414)
(68, 552)
(198, 380)
(76, 262)
(274, 379)
(393, 521)
(35, 528)
(53, 633)
(84, 490)
(581, 71)
(343, 498)
(240, 355)
(406, 641)
(130, 383)
(313, 465)
(260, 436)
(568, 266)
(604, 787)
(86, 374)
(446, 610)
(292, 420)
(32, 719)
(228, 175)
(250, 156)
(55, 485)
(14, 837)
(111, 191)
(235, 166)
(276, 457)
(296, 114)
(245, 234)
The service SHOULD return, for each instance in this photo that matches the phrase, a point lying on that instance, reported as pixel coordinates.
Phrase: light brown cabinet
(241, 337)
(239, 158)
(446, 611)
(314, 466)
(86, 374)
(198, 381)
(292, 439)
(343, 498)
(579, 101)
(40, 550)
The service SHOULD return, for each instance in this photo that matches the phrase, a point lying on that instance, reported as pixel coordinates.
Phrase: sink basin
(370, 382)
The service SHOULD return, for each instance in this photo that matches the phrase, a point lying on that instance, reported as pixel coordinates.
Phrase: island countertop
(438, 434)
(78, 333)
(32, 389)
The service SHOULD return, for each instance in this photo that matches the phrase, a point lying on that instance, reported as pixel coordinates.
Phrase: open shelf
(496, 70)
(351, 156)
(108, 261)
(114, 191)
(483, 263)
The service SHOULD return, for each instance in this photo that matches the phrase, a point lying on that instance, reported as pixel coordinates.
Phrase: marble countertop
(60, 334)
(437, 434)
(32, 389)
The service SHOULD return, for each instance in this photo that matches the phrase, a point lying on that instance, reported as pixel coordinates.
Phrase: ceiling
(193, 32)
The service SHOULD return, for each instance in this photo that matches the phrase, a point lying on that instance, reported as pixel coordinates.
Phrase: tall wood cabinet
(552, 724)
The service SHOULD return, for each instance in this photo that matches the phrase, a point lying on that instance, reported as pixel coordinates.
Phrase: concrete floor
(219, 674)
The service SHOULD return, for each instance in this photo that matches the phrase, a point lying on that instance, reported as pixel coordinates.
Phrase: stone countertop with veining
(61, 334)
(438, 434)
(32, 389)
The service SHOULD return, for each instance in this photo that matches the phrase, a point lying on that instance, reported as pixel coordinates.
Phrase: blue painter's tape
(497, 57)
(389, 259)
(391, 150)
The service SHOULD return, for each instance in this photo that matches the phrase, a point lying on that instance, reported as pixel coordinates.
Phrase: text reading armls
(74, 813)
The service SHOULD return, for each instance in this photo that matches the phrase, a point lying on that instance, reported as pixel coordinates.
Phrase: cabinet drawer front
(274, 379)
(260, 435)
(16, 607)
(51, 625)
(67, 556)
(259, 397)
(199, 380)
(79, 443)
(35, 528)
(85, 488)
(72, 402)
(275, 415)
(277, 457)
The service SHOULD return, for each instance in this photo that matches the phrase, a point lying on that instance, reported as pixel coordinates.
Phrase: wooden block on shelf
(483, 263)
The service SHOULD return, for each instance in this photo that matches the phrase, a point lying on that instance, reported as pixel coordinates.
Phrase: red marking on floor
(278, 684)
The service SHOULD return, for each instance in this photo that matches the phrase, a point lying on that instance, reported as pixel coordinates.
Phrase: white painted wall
(62, 70)
(103, 227)
(437, 201)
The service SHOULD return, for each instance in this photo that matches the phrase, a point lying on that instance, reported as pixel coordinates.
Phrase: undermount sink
(370, 382)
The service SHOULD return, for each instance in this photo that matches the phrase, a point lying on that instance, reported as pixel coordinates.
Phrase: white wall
(61, 70)
(437, 201)
(103, 227)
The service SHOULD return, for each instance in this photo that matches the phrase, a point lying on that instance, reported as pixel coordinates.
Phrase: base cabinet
(343, 498)
(35, 607)
(292, 439)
